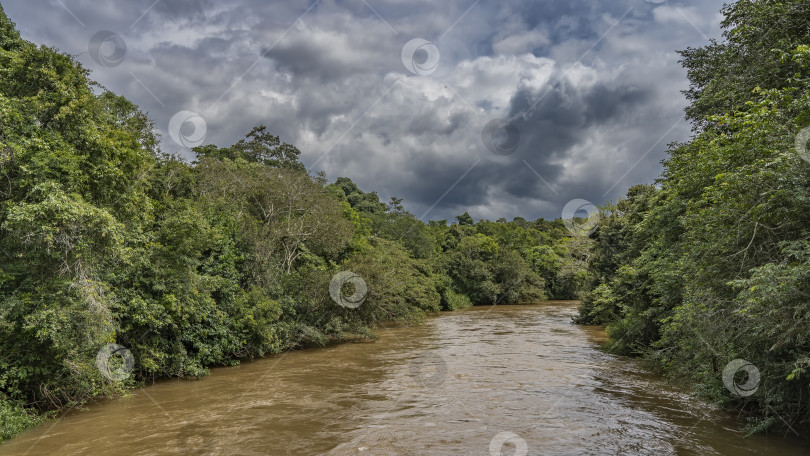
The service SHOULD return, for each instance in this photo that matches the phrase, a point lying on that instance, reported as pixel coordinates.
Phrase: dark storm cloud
(308, 55)
(553, 122)
(183, 9)
(592, 87)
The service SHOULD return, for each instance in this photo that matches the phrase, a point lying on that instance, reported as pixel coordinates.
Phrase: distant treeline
(712, 264)
(108, 248)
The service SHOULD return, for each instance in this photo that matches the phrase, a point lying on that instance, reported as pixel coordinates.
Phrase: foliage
(104, 240)
(15, 419)
(711, 265)
(258, 146)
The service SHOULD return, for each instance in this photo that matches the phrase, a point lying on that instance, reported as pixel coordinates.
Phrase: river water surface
(485, 381)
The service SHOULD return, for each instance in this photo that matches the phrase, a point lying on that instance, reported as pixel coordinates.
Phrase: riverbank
(450, 386)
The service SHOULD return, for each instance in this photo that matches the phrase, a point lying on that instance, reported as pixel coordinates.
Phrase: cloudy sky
(499, 108)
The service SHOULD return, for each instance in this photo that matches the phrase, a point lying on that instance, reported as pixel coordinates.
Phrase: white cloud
(590, 95)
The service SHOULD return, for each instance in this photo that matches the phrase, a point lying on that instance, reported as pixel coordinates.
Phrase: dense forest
(108, 246)
(712, 263)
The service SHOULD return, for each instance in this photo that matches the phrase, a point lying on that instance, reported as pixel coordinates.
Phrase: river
(503, 380)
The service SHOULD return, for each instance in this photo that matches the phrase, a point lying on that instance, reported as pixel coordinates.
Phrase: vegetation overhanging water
(115, 253)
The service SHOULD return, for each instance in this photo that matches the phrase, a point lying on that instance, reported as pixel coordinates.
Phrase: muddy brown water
(485, 381)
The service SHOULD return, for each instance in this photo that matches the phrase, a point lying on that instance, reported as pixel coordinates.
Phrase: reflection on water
(515, 379)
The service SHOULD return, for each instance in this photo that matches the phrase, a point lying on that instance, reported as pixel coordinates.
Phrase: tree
(759, 37)
(706, 268)
(465, 219)
(258, 146)
(279, 211)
